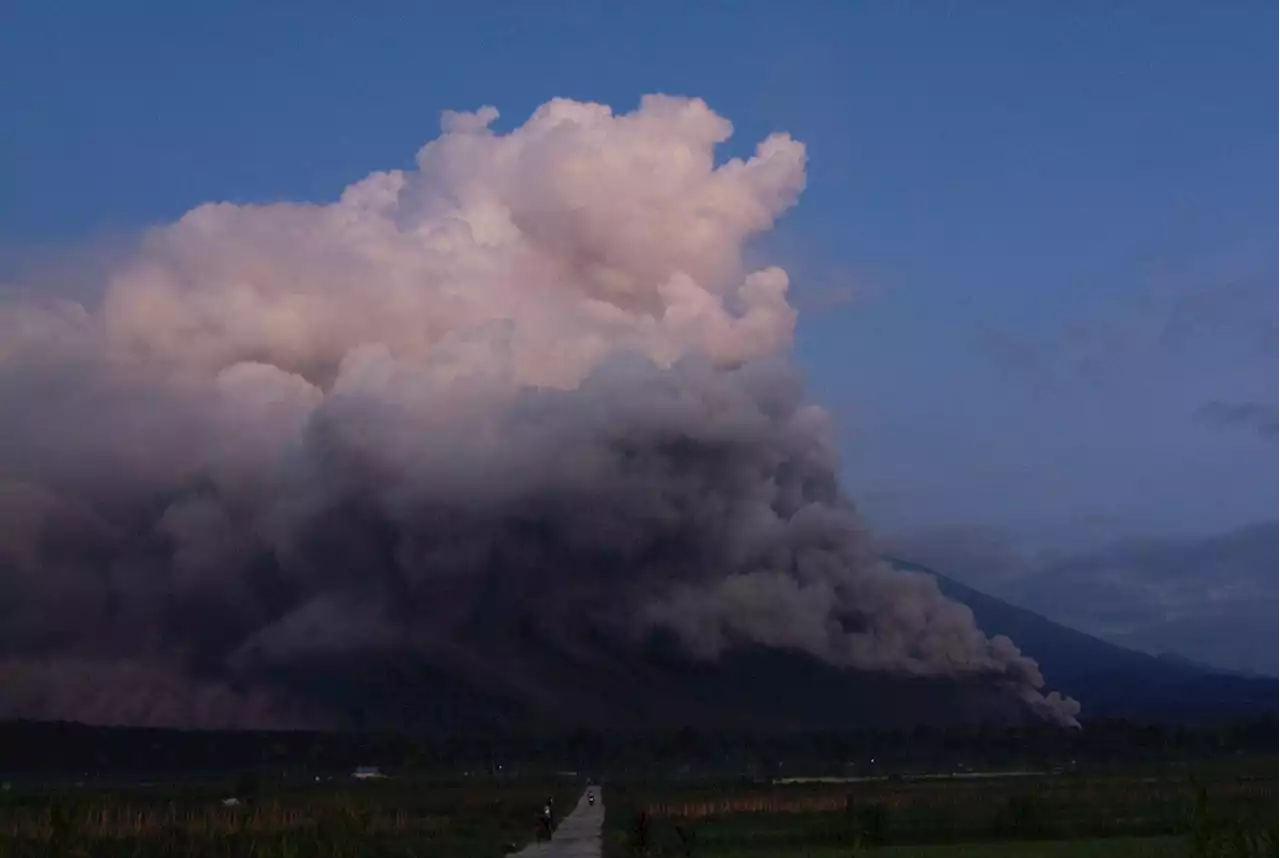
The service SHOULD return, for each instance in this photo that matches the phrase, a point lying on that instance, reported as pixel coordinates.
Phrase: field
(1225, 810)
(335, 819)
(1116, 847)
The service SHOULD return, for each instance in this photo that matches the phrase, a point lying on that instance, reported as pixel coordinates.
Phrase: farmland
(398, 817)
(1121, 814)
(1112, 814)
(1113, 791)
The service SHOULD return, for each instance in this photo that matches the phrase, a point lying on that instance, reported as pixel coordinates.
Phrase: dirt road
(577, 835)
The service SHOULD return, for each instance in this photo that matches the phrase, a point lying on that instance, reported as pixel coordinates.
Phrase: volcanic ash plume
(530, 378)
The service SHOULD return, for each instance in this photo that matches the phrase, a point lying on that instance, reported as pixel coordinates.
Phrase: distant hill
(1175, 658)
(1111, 681)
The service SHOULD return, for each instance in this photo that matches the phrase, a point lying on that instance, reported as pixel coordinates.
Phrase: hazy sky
(1033, 259)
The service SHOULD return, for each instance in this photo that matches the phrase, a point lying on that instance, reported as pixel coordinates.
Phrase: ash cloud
(532, 378)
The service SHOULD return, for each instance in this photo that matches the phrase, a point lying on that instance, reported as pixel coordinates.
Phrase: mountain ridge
(1112, 681)
(536, 675)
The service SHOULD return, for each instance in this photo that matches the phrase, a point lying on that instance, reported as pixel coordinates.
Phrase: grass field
(395, 817)
(1221, 811)
(1114, 847)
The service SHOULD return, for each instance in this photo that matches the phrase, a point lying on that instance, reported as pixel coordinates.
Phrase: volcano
(529, 677)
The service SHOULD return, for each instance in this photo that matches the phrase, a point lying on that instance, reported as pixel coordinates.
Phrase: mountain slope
(540, 673)
(1108, 680)
(530, 676)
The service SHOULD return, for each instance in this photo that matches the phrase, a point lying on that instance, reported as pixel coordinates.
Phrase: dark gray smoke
(531, 378)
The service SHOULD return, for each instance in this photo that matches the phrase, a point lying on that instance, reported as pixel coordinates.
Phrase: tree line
(43, 748)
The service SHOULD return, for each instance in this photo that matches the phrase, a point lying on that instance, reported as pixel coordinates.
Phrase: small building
(365, 773)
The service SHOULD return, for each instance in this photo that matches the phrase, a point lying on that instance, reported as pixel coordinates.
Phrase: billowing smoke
(531, 377)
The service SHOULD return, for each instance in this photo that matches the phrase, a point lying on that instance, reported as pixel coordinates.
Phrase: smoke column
(531, 376)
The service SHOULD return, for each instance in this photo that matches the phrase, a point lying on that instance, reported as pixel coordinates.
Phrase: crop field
(333, 819)
(1224, 810)
(1116, 847)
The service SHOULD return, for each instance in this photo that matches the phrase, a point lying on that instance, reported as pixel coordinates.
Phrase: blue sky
(1055, 219)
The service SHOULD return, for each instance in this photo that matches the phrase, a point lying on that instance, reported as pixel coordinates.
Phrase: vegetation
(83, 752)
(1227, 811)
(1115, 790)
(335, 820)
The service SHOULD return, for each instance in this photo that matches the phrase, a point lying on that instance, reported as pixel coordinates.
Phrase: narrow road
(577, 835)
